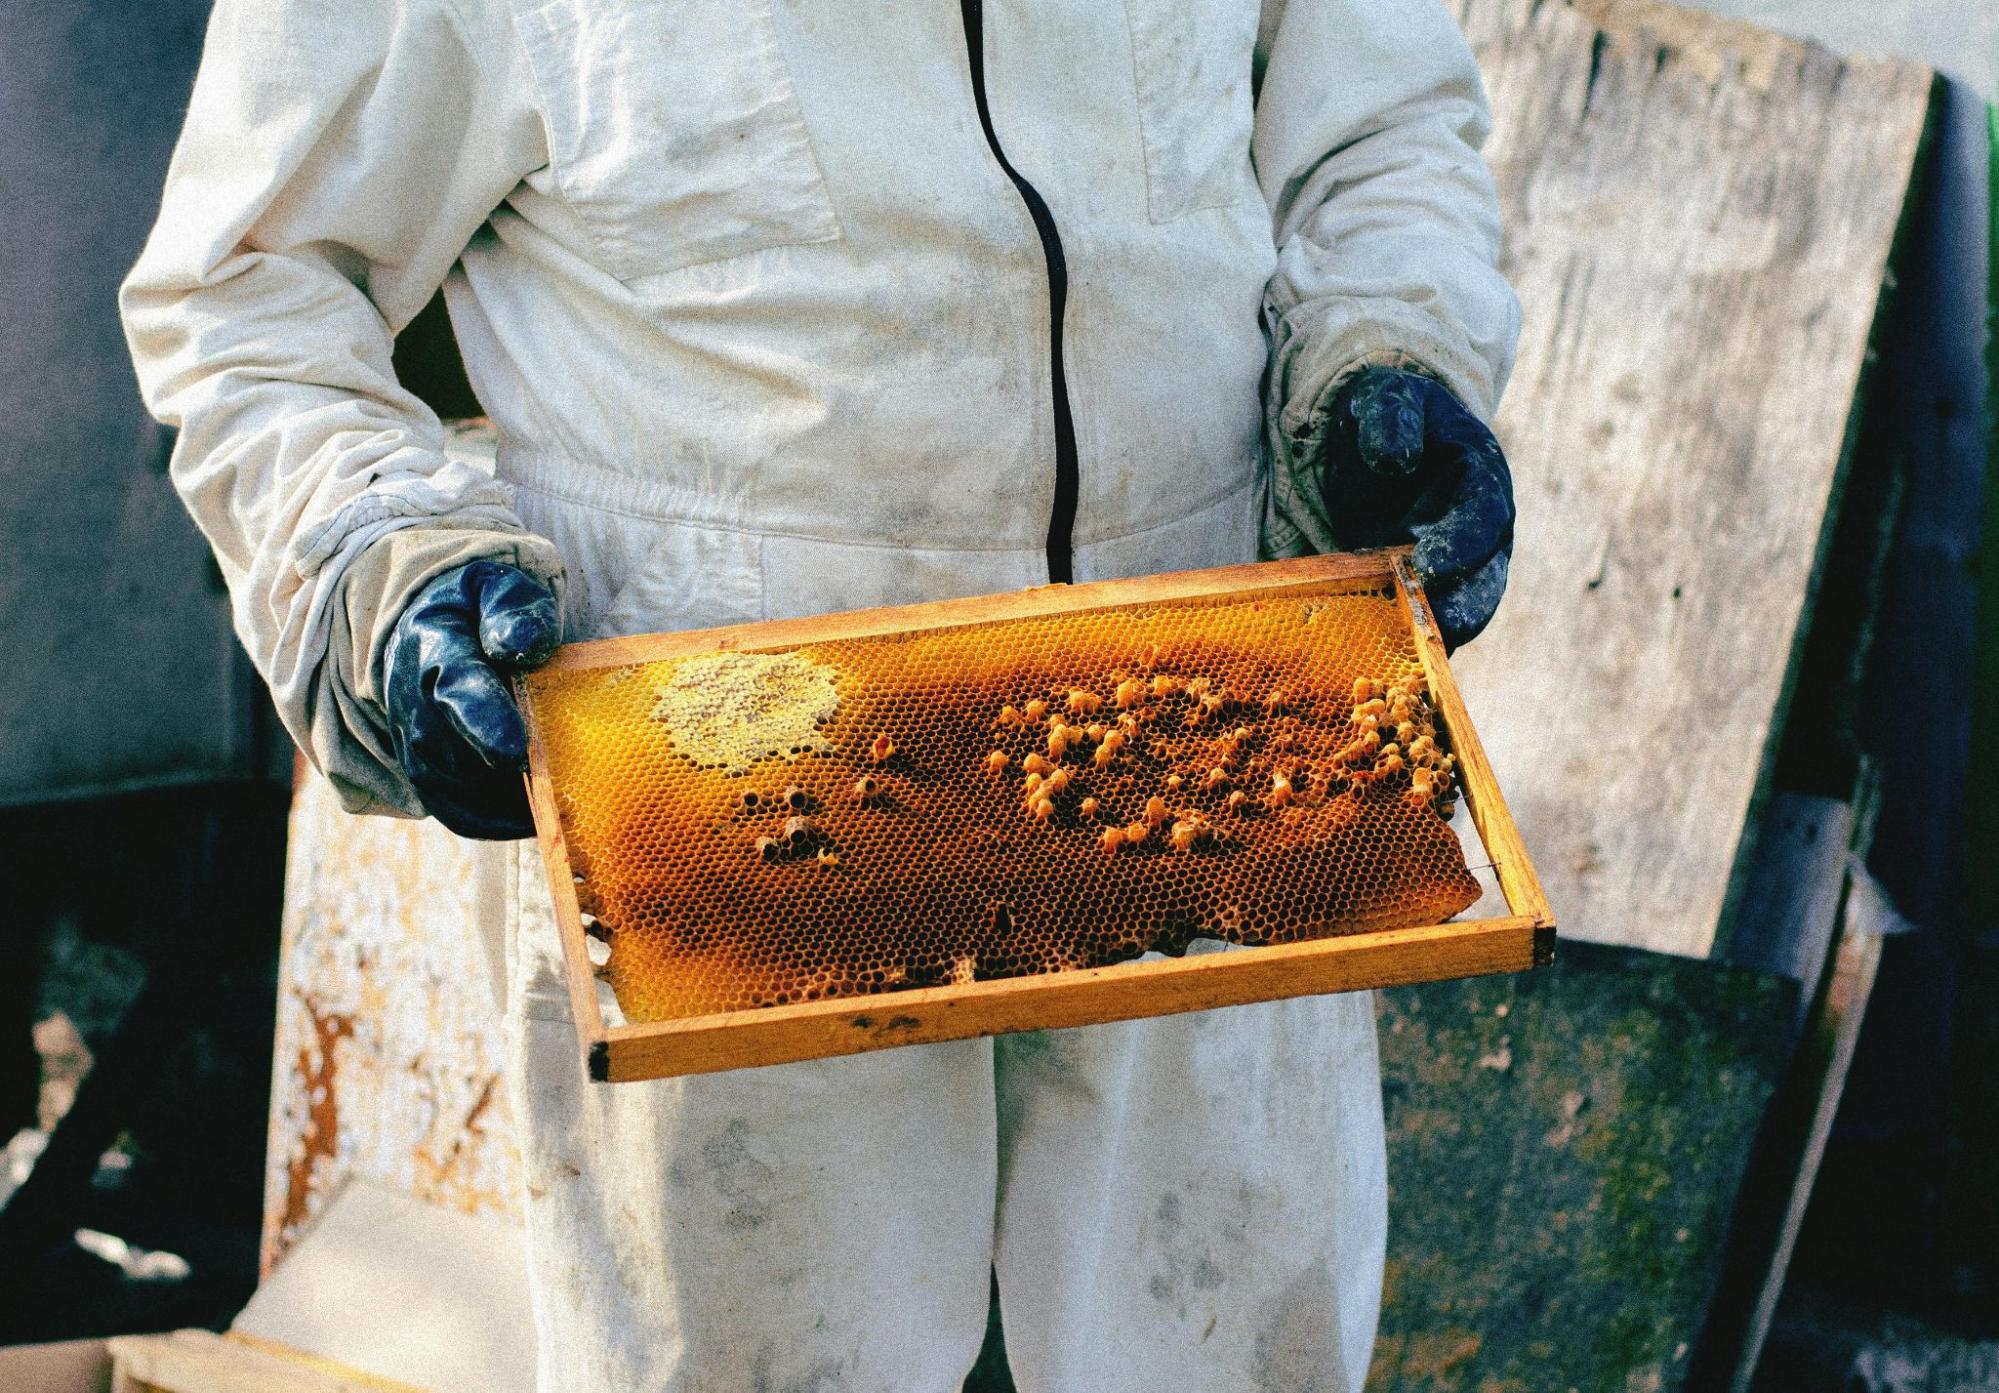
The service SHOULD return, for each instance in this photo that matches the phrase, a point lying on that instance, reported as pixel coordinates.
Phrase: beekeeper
(782, 308)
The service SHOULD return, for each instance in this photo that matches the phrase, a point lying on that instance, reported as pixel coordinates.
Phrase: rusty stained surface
(388, 1041)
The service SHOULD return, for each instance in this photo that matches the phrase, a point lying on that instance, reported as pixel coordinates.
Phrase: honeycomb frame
(964, 1006)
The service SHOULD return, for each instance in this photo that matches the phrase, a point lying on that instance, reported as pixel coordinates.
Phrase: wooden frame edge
(576, 965)
(1518, 881)
(1054, 1001)
(1033, 602)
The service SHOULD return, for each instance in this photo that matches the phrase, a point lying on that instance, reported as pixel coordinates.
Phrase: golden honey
(988, 800)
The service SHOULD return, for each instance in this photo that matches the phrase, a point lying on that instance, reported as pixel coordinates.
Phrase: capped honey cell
(915, 809)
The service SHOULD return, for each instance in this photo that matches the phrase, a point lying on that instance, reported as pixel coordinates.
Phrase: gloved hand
(1406, 462)
(458, 736)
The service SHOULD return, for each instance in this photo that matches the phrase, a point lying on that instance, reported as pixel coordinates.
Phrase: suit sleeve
(335, 161)
(1370, 115)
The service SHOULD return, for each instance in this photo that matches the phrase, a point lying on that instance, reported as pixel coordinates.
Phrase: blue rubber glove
(1406, 462)
(458, 736)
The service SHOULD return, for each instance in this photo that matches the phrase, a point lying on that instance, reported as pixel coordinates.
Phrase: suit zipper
(1062, 517)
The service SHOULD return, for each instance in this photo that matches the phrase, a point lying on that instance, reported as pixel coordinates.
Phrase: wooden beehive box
(821, 836)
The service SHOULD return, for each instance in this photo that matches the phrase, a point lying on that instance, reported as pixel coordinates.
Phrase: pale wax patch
(735, 710)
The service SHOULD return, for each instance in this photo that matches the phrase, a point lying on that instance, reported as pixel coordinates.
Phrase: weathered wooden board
(1564, 1151)
(1699, 222)
(1795, 885)
(1818, 1081)
(396, 1288)
(1960, 36)
(388, 1040)
(199, 1361)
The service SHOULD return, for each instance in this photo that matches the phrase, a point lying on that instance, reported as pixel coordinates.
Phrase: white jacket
(764, 323)
(766, 327)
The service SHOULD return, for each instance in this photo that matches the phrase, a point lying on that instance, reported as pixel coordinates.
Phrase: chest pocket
(1192, 61)
(674, 130)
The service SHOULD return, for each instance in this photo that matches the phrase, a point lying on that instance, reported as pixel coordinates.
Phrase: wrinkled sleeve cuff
(1320, 346)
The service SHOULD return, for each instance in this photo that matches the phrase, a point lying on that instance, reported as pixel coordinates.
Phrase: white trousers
(1193, 1204)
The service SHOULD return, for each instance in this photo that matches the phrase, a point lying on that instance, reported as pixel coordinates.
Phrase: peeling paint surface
(389, 1040)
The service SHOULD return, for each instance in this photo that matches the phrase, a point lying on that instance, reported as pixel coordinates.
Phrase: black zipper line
(1062, 518)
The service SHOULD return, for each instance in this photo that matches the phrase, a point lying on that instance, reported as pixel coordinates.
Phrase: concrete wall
(119, 670)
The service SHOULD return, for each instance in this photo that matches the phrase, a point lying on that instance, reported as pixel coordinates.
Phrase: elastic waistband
(595, 486)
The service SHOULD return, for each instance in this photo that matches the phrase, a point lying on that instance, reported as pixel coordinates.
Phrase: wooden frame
(1522, 939)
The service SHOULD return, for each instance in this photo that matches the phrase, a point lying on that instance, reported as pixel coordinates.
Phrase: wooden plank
(1818, 1080)
(1822, 921)
(621, 1052)
(1056, 1000)
(1971, 1202)
(399, 1288)
(1564, 1150)
(1489, 813)
(337, 1377)
(389, 1051)
(1797, 881)
(67, 1366)
(198, 1361)
(1699, 217)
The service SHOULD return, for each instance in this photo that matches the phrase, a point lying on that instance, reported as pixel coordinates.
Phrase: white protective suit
(766, 327)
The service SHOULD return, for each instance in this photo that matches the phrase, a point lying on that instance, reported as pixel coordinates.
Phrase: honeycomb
(1020, 796)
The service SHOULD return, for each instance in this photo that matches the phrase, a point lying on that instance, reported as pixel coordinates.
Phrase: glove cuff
(1299, 415)
(350, 732)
